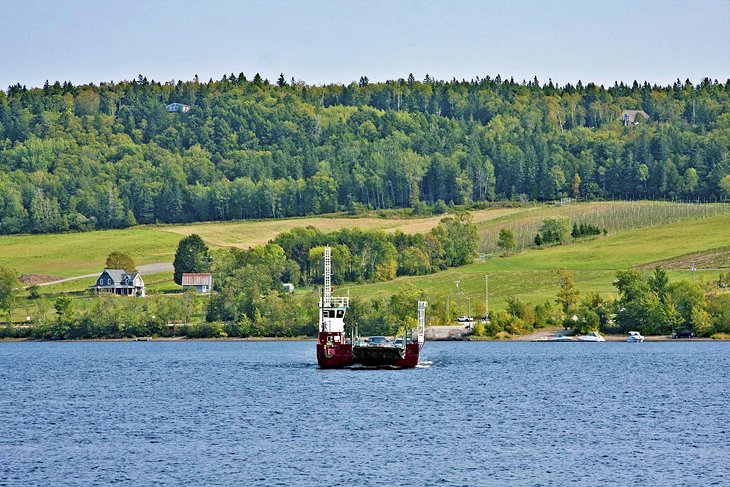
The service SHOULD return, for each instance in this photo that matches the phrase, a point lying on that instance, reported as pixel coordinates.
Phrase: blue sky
(339, 41)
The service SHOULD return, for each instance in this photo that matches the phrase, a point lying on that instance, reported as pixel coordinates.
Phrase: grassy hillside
(72, 254)
(614, 216)
(248, 233)
(530, 275)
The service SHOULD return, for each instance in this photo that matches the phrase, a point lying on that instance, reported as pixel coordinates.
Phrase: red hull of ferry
(332, 352)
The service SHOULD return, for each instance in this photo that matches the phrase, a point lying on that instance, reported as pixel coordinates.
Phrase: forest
(112, 155)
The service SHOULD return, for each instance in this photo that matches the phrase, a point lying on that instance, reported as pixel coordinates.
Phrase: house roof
(197, 279)
(118, 275)
(632, 114)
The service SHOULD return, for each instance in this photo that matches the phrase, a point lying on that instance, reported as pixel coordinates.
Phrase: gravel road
(144, 269)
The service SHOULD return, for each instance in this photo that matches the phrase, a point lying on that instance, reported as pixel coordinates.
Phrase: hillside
(119, 154)
(73, 254)
(530, 275)
(698, 236)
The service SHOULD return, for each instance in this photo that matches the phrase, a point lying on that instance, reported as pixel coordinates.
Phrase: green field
(73, 254)
(245, 234)
(530, 275)
(614, 216)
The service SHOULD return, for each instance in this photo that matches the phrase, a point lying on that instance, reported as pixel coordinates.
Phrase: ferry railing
(336, 302)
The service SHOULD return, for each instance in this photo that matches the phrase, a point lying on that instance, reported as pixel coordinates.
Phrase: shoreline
(523, 339)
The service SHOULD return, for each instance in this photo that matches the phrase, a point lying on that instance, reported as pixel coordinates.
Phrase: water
(262, 413)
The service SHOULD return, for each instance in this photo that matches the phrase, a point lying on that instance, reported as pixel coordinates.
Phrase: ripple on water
(262, 413)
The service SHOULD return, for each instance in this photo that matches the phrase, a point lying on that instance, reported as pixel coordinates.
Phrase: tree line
(250, 298)
(250, 282)
(111, 155)
(649, 304)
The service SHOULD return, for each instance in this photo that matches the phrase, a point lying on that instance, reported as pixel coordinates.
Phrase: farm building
(118, 281)
(201, 282)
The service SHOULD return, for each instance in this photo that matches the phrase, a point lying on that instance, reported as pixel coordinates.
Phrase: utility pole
(458, 299)
(486, 284)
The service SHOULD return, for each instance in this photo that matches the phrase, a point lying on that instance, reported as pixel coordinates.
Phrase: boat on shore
(335, 349)
(558, 337)
(634, 337)
(591, 336)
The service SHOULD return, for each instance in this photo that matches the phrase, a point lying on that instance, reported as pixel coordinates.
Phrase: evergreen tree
(191, 256)
(506, 240)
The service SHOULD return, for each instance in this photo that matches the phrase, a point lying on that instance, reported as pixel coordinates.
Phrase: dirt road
(144, 269)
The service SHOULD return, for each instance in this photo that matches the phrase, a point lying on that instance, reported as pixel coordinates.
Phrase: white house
(178, 107)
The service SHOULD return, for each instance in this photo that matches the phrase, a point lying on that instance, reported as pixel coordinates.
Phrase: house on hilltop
(177, 107)
(202, 282)
(118, 281)
(628, 117)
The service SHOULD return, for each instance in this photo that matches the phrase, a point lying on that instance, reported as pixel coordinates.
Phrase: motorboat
(634, 337)
(559, 337)
(591, 336)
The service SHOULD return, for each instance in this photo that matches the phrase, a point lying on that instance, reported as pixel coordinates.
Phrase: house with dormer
(120, 282)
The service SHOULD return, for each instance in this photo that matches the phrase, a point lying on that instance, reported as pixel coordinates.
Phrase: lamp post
(486, 294)
(458, 299)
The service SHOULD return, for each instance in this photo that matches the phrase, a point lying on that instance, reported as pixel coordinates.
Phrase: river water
(262, 413)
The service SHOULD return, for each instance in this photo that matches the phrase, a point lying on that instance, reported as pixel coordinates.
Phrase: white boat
(559, 337)
(591, 336)
(634, 337)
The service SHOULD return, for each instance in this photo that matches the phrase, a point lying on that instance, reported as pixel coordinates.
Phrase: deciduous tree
(120, 260)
